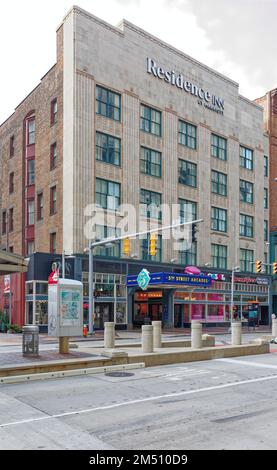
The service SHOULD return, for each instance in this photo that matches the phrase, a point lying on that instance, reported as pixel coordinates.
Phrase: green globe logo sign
(143, 279)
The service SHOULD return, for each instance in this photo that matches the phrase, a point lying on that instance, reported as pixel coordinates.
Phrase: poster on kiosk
(65, 306)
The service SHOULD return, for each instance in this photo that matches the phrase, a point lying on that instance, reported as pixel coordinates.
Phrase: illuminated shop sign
(205, 98)
(174, 279)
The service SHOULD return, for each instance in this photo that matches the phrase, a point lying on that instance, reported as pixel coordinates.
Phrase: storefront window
(41, 313)
(104, 290)
(215, 313)
(140, 312)
(29, 313)
(198, 312)
(29, 288)
(120, 316)
(103, 312)
(120, 291)
(42, 288)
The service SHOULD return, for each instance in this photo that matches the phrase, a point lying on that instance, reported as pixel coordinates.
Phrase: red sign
(54, 277)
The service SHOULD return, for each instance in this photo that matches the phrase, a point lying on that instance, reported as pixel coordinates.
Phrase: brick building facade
(123, 117)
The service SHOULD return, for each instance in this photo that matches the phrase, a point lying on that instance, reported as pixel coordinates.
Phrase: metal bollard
(30, 341)
(157, 334)
(236, 333)
(196, 334)
(109, 334)
(147, 338)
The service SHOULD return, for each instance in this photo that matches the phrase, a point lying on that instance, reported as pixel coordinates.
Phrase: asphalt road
(220, 404)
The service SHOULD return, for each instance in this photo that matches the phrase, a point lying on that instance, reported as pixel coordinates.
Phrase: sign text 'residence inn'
(211, 102)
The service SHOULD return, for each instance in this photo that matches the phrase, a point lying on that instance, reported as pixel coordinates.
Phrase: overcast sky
(236, 37)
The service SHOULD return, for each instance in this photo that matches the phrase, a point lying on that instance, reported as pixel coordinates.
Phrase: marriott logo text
(178, 80)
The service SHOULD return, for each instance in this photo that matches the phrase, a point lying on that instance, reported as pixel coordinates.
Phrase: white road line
(248, 363)
(141, 400)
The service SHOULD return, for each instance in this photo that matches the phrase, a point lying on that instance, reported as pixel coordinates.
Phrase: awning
(11, 263)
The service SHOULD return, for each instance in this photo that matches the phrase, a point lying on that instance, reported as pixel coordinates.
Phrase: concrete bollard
(236, 333)
(157, 334)
(147, 338)
(109, 334)
(274, 327)
(64, 345)
(196, 334)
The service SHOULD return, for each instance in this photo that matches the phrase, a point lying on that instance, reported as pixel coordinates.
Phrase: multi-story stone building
(124, 118)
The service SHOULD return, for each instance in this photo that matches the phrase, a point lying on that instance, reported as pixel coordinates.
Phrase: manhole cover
(119, 374)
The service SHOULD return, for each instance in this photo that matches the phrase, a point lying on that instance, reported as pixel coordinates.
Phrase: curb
(69, 373)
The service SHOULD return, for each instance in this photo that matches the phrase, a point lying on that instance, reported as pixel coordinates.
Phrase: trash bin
(30, 341)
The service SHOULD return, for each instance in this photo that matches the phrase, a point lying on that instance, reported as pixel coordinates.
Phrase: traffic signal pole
(106, 241)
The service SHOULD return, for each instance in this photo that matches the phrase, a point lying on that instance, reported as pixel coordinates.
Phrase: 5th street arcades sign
(205, 98)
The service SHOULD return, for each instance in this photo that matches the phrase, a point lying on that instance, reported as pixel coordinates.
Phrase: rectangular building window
(219, 219)
(11, 182)
(30, 247)
(108, 149)
(145, 249)
(40, 211)
(188, 257)
(30, 172)
(265, 230)
(265, 165)
(187, 135)
(150, 203)
(150, 162)
(187, 173)
(188, 210)
(102, 232)
(54, 111)
(4, 222)
(11, 146)
(246, 158)
(53, 156)
(107, 194)
(53, 242)
(11, 220)
(150, 120)
(246, 260)
(219, 256)
(108, 103)
(219, 183)
(219, 147)
(246, 191)
(246, 226)
(30, 212)
(31, 131)
(53, 200)
(265, 198)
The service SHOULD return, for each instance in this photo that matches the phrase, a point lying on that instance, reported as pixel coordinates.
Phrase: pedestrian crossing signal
(153, 244)
(274, 268)
(126, 246)
(258, 266)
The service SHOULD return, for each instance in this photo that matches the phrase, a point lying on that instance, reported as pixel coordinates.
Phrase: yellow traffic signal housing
(258, 266)
(126, 246)
(153, 244)
(274, 268)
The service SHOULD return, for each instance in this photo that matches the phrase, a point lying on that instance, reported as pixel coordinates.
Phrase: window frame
(245, 227)
(217, 257)
(216, 184)
(107, 195)
(144, 110)
(244, 193)
(188, 176)
(216, 149)
(149, 163)
(244, 159)
(40, 206)
(53, 111)
(108, 104)
(187, 134)
(148, 210)
(99, 148)
(219, 221)
(53, 200)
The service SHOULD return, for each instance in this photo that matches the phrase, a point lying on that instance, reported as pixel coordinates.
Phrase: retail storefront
(132, 306)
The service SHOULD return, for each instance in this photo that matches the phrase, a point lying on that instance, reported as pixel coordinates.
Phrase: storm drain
(119, 374)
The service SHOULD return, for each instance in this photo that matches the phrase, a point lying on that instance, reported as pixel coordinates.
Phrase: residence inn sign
(211, 101)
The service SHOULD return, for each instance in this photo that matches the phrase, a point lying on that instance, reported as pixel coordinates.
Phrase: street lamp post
(234, 269)
(91, 292)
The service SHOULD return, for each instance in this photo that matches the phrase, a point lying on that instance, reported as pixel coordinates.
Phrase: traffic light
(126, 246)
(274, 268)
(193, 233)
(153, 244)
(258, 266)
